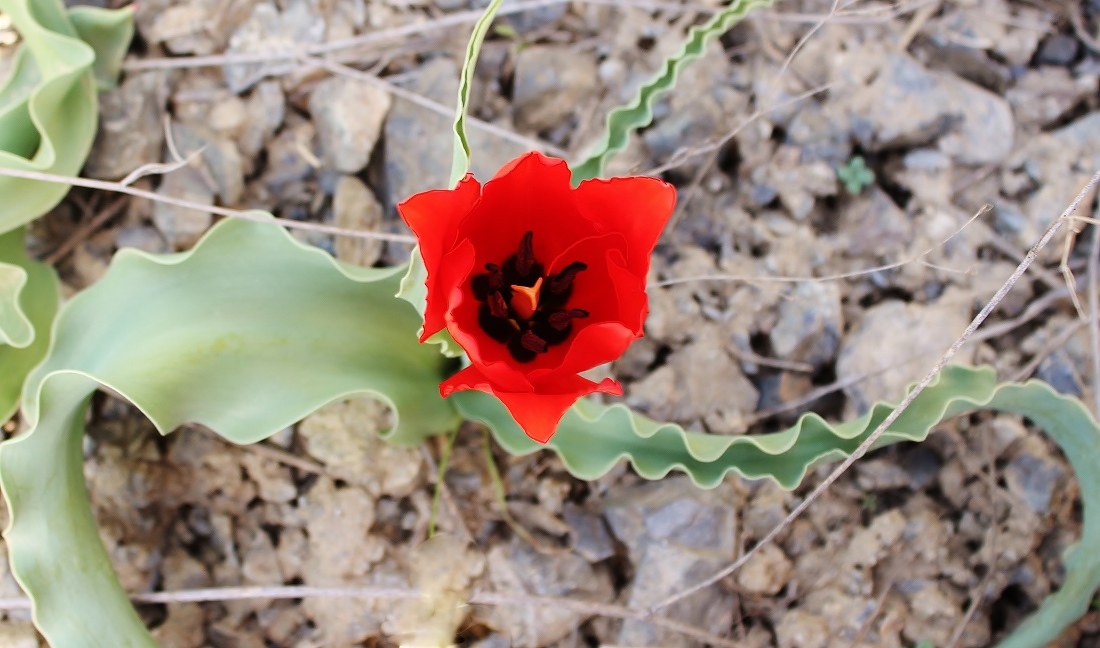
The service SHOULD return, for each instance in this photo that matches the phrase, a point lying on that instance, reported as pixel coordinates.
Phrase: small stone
(801, 629)
(131, 130)
(181, 226)
(182, 28)
(874, 224)
(1033, 479)
(907, 105)
(348, 114)
(766, 573)
(345, 437)
(1057, 49)
(141, 237)
(265, 108)
(517, 567)
(895, 343)
(810, 324)
(354, 207)
(675, 535)
(412, 162)
(1042, 97)
(550, 82)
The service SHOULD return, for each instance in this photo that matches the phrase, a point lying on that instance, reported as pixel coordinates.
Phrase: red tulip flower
(538, 280)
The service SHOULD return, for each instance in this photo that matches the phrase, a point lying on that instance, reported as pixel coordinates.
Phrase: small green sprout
(855, 175)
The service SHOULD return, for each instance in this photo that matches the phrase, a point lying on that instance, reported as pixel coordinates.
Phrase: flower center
(524, 308)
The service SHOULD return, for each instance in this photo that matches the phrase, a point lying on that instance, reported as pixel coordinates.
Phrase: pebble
(181, 227)
(413, 158)
(1057, 49)
(550, 82)
(675, 535)
(907, 105)
(517, 567)
(810, 324)
(903, 338)
(348, 114)
(766, 573)
(1033, 479)
(354, 207)
(131, 131)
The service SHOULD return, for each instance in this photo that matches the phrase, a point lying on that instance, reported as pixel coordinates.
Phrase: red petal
(537, 412)
(530, 194)
(638, 207)
(434, 217)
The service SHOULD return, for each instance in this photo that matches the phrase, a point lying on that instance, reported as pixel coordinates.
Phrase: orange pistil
(525, 299)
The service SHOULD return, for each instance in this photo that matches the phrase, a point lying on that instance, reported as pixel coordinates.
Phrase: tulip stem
(444, 459)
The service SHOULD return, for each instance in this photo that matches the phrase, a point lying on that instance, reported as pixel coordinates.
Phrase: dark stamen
(497, 306)
(564, 280)
(525, 258)
(532, 342)
(561, 319)
(496, 277)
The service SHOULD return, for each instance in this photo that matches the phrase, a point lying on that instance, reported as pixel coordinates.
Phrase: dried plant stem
(908, 400)
(1093, 274)
(86, 228)
(259, 217)
(221, 594)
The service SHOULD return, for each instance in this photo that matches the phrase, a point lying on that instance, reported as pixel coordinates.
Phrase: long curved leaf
(592, 438)
(245, 334)
(48, 107)
(29, 297)
(624, 120)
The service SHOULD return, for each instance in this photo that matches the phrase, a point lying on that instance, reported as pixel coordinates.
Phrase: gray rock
(181, 227)
(675, 535)
(1060, 163)
(355, 207)
(810, 324)
(267, 29)
(1044, 96)
(131, 128)
(719, 398)
(266, 108)
(348, 114)
(551, 81)
(1033, 479)
(1057, 49)
(417, 154)
(820, 135)
(872, 224)
(517, 567)
(219, 161)
(907, 105)
(896, 343)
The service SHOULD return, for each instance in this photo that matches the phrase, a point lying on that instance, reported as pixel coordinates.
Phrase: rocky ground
(951, 104)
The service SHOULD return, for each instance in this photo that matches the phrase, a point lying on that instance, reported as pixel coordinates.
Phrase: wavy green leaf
(624, 120)
(29, 296)
(246, 333)
(592, 438)
(460, 159)
(48, 107)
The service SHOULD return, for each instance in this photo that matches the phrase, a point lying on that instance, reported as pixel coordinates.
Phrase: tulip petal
(531, 194)
(638, 207)
(538, 412)
(434, 217)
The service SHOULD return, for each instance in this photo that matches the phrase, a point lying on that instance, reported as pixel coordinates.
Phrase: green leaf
(624, 120)
(460, 159)
(108, 33)
(48, 107)
(29, 297)
(247, 333)
(592, 438)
